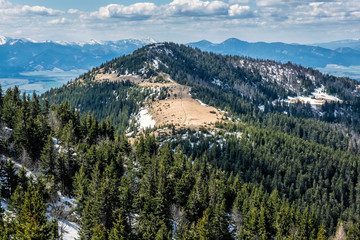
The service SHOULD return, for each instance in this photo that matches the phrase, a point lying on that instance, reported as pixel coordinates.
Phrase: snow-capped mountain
(26, 55)
(41, 65)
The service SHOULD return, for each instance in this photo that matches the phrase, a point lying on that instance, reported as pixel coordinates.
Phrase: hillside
(173, 143)
(238, 84)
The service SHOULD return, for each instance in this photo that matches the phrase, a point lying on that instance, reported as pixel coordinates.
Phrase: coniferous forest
(260, 175)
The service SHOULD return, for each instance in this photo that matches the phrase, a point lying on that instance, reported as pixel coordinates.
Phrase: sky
(181, 21)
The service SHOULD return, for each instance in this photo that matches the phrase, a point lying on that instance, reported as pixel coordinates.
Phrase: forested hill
(224, 153)
(237, 84)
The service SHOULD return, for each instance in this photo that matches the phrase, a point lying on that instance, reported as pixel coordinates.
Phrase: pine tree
(48, 158)
(204, 227)
(353, 232)
(162, 233)
(81, 183)
(221, 222)
(120, 230)
(87, 222)
(10, 179)
(322, 233)
(98, 232)
(31, 222)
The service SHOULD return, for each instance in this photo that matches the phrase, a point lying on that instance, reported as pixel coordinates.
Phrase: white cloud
(197, 8)
(137, 11)
(239, 11)
(8, 9)
(4, 4)
(238, 1)
(40, 10)
(327, 12)
(263, 3)
(58, 21)
(73, 11)
(181, 19)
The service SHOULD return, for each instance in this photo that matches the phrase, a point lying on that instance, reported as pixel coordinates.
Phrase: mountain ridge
(306, 55)
(256, 82)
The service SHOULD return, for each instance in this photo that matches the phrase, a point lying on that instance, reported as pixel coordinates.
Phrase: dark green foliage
(112, 102)
(354, 232)
(9, 179)
(120, 230)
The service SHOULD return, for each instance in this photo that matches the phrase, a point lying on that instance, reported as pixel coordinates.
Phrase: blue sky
(300, 21)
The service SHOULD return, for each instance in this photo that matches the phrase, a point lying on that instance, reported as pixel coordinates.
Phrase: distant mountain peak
(3, 40)
(149, 40)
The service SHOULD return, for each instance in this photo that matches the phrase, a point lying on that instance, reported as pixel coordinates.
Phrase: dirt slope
(179, 108)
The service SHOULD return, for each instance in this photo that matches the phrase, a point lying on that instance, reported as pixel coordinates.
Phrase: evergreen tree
(120, 230)
(10, 179)
(31, 222)
(48, 158)
(98, 232)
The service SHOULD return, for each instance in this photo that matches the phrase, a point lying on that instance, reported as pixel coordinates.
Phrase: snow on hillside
(61, 207)
(286, 76)
(201, 103)
(316, 99)
(145, 120)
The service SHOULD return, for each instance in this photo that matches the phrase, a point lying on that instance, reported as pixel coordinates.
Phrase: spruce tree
(120, 230)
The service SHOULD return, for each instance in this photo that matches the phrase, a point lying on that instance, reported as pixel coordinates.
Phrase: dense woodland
(264, 175)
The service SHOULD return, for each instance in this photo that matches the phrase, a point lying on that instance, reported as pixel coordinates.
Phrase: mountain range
(306, 55)
(347, 43)
(24, 55)
(41, 65)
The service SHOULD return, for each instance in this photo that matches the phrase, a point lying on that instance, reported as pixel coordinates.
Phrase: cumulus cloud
(197, 8)
(8, 9)
(40, 10)
(198, 16)
(137, 11)
(330, 12)
(240, 11)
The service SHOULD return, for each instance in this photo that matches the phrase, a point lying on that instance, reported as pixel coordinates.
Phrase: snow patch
(316, 99)
(217, 82)
(155, 63)
(145, 119)
(201, 103)
(69, 230)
